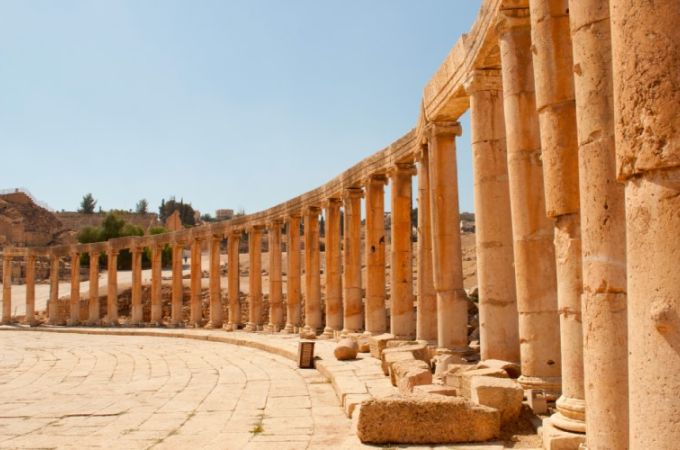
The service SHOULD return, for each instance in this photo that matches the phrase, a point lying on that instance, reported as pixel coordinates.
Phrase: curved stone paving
(87, 391)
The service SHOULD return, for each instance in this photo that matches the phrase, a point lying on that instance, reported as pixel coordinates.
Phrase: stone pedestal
(402, 320)
(426, 313)
(533, 246)
(93, 303)
(156, 282)
(275, 276)
(376, 315)
(333, 272)
(233, 273)
(312, 271)
(111, 287)
(177, 284)
(645, 49)
(6, 289)
(353, 317)
(53, 316)
(452, 303)
(255, 278)
(293, 275)
(74, 300)
(498, 321)
(136, 315)
(29, 317)
(215, 288)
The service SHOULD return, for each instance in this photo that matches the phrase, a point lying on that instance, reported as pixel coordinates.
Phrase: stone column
(313, 321)
(498, 322)
(452, 303)
(275, 274)
(215, 288)
(532, 231)
(234, 281)
(136, 316)
(111, 287)
(196, 305)
(646, 68)
(74, 301)
(156, 284)
(376, 315)
(333, 268)
(6, 289)
(93, 302)
(603, 230)
(556, 107)
(352, 311)
(255, 278)
(54, 318)
(177, 284)
(426, 313)
(29, 317)
(293, 276)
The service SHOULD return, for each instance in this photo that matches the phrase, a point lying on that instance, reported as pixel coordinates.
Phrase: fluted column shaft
(156, 293)
(111, 287)
(646, 68)
(6, 289)
(215, 287)
(93, 302)
(498, 323)
(352, 307)
(333, 270)
(275, 277)
(446, 246)
(54, 318)
(177, 284)
(233, 272)
(376, 315)
(29, 318)
(196, 306)
(255, 279)
(312, 271)
(74, 300)
(533, 246)
(136, 316)
(426, 312)
(293, 275)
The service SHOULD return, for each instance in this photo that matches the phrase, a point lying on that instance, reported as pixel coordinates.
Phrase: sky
(222, 103)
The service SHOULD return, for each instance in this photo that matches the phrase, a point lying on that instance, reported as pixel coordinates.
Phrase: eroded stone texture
(503, 394)
(93, 300)
(111, 286)
(352, 307)
(29, 318)
(376, 316)
(74, 300)
(255, 278)
(312, 272)
(177, 288)
(156, 274)
(333, 270)
(346, 349)
(6, 289)
(136, 315)
(293, 275)
(52, 306)
(275, 274)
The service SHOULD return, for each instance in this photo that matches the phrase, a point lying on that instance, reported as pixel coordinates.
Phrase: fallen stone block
(409, 374)
(537, 401)
(419, 351)
(556, 439)
(462, 380)
(504, 394)
(392, 358)
(364, 345)
(441, 363)
(378, 343)
(346, 349)
(434, 419)
(434, 389)
(512, 369)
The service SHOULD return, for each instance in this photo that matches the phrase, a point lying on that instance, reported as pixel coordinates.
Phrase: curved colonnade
(569, 166)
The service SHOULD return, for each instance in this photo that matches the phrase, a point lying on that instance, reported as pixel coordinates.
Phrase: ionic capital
(484, 80)
(312, 210)
(274, 224)
(511, 19)
(332, 202)
(377, 179)
(402, 169)
(438, 129)
(351, 193)
(256, 229)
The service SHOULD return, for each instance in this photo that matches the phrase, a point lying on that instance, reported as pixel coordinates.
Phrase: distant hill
(24, 223)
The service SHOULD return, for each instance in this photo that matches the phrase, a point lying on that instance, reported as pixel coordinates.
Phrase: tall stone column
(333, 268)
(255, 278)
(312, 271)
(30, 291)
(556, 107)
(275, 277)
(112, 287)
(293, 276)
(603, 230)
(532, 231)
(233, 272)
(215, 288)
(498, 322)
(196, 306)
(54, 317)
(156, 284)
(646, 65)
(136, 316)
(452, 303)
(352, 311)
(74, 300)
(426, 313)
(376, 315)
(6, 289)
(177, 284)
(93, 302)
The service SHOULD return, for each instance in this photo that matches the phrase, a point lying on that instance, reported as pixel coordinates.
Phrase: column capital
(332, 202)
(402, 169)
(484, 80)
(509, 19)
(234, 233)
(256, 229)
(311, 210)
(448, 128)
(352, 192)
(419, 154)
(275, 223)
(376, 178)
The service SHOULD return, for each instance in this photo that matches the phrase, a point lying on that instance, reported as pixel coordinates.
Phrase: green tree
(186, 211)
(142, 206)
(87, 204)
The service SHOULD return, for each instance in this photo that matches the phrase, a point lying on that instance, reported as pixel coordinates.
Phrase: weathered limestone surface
(177, 288)
(6, 289)
(275, 274)
(293, 276)
(93, 299)
(410, 373)
(333, 270)
(111, 285)
(255, 279)
(346, 349)
(29, 318)
(503, 394)
(379, 343)
(74, 299)
(376, 316)
(352, 307)
(215, 293)
(156, 296)
(312, 272)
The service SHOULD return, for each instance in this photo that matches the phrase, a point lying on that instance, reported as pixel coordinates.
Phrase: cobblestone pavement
(87, 391)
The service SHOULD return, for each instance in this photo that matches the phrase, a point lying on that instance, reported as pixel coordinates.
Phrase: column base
(308, 333)
(551, 386)
(250, 327)
(32, 323)
(328, 333)
(213, 325)
(289, 329)
(230, 326)
(556, 439)
(271, 328)
(70, 323)
(570, 415)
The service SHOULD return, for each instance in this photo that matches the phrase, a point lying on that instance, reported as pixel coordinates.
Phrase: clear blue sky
(226, 104)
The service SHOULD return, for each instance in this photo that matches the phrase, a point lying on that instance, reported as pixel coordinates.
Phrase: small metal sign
(306, 355)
